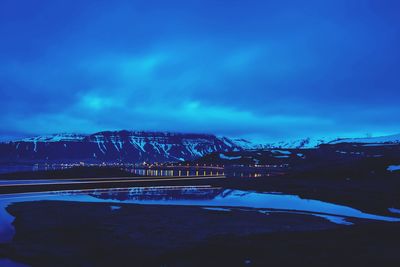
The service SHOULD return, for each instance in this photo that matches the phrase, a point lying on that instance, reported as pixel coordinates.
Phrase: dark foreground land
(92, 234)
(51, 233)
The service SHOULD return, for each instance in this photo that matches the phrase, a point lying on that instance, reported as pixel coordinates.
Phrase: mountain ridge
(309, 142)
(124, 145)
(150, 146)
(387, 139)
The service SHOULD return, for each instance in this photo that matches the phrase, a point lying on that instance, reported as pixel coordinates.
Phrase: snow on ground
(222, 156)
(281, 152)
(216, 209)
(243, 143)
(393, 210)
(308, 142)
(313, 142)
(374, 140)
(393, 168)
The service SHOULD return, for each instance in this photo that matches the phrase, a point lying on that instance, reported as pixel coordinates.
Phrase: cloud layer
(269, 70)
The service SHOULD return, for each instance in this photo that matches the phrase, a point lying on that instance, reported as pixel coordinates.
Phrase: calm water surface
(211, 198)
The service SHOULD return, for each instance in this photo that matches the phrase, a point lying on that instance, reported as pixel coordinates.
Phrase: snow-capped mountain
(315, 142)
(242, 143)
(139, 146)
(55, 138)
(300, 143)
(125, 146)
(390, 139)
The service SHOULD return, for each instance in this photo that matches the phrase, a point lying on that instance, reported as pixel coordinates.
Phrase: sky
(263, 70)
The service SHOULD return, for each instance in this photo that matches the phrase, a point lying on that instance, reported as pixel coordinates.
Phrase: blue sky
(269, 70)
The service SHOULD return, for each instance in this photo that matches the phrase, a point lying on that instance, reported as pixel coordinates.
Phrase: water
(10, 263)
(212, 198)
(230, 171)
(16, 168)
(37, 181)
(140, 171)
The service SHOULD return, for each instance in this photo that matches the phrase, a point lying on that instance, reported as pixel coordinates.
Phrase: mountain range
(117, 146)
(140, 146)
(316, 142)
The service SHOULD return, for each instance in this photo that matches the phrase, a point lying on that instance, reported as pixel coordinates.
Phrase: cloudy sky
(268, 70)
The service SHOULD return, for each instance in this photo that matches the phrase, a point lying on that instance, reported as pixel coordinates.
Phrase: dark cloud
(266, 69)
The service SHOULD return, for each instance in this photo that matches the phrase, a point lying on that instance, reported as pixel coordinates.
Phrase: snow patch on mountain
(391, 139)
(99, 139)
(310, 142)
(299, 143)
(138, 142)
(241, 143)
(223, 156)
(63, 137)
(134, 146)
